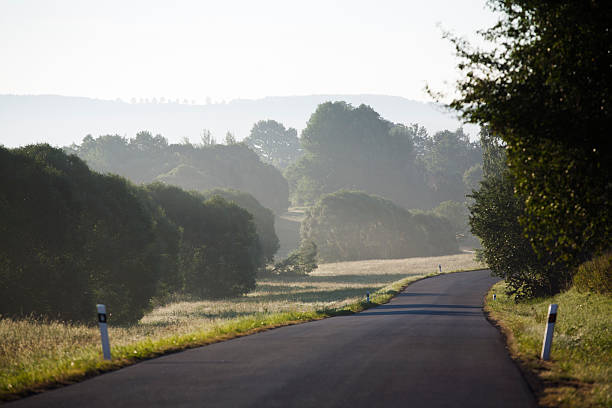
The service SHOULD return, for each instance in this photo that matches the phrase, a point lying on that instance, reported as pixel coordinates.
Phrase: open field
(580, 372)
(35, 354)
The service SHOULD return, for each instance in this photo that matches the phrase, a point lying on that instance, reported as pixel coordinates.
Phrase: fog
(61, 121)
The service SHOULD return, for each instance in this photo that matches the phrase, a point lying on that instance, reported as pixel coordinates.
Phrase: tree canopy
(352, 225)
(274, 144)
(354, 148)
(71, 237)
(145, 158)
(544, 89)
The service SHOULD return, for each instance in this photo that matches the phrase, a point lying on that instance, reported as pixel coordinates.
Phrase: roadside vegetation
(71, 237)
(39, 353)
(580, 371)
(543, 211)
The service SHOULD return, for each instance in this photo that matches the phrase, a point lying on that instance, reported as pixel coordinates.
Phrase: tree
(544, 88)
(145, 159)
(230, 139)
(494, 218)
(353, 225)
(302, 261)
(446, 158)
(219, 248)
(274, 144)
(71, 238)
(262, 217)
(354, 148)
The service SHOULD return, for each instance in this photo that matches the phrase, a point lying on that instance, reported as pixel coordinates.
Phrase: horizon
(215, 53)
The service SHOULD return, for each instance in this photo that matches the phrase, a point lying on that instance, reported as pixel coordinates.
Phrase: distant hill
(63, 120)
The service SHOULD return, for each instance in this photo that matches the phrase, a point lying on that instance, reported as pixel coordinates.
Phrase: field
(38, 354)
(580, 371)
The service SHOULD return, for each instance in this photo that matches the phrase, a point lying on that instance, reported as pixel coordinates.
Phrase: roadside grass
(580, 371)
(40, 354)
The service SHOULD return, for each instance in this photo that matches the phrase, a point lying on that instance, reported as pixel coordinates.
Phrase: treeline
(147, 158)
(353, 148)
(544, 209)
(351, 225)
(71, 237)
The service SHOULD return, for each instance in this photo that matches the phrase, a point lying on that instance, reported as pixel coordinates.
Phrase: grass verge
(580, 371)
(37, 355)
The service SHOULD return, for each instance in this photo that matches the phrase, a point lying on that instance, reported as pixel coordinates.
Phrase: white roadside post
(104, 331)
(548, 334)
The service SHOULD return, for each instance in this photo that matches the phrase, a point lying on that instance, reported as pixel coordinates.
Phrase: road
(431, 346)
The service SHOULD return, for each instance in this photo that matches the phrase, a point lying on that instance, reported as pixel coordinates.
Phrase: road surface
(431, 346)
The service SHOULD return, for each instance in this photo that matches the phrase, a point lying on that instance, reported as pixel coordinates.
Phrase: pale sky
(228, 49)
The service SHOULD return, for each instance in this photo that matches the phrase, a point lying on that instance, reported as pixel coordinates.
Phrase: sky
(228, 49)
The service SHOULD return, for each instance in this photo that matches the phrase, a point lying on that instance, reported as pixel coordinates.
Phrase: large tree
(544, 88)
(274, 144)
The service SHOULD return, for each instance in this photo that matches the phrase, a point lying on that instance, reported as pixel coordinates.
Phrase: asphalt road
(431, 346)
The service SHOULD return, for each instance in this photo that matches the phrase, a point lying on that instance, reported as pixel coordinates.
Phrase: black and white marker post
(548, 335)
(104, 331)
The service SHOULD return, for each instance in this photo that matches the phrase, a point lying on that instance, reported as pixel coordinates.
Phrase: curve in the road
(431, 346)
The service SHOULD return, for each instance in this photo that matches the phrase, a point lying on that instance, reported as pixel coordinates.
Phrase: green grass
(580, 371)
(37, 355)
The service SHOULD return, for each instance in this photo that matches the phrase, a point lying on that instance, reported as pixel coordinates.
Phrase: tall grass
(580, 371)
(36, 354)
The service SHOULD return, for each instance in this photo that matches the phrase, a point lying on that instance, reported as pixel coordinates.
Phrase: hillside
(63, 120)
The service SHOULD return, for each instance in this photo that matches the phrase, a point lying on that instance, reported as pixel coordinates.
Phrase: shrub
(351, 225)
(302, 261)
(595, 275)
(262, 217)
(219, 248)
(71, 238)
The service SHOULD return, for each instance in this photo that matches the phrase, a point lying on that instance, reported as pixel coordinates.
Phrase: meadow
(37, 354)
(580, 371)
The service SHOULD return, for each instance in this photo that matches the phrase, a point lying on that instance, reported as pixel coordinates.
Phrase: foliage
(449, 156)
(494, 216)
(349, 225)
(544, 88)
(302, 261)
(595, 275)
(219, 247)
(354, 148)
(580, 372)
(274, 144)
(36, 354)
(145, 159)
(71, 238)
(262, 217)
(458, 215)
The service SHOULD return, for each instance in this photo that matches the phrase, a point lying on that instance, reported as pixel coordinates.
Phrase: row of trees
(147, 158)
(543, 89)
(72, 237)
(348, 147)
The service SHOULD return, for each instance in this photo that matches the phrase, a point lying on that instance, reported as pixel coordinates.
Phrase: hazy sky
(227, 49)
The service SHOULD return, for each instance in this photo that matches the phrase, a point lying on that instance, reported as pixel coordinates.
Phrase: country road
(431, 346)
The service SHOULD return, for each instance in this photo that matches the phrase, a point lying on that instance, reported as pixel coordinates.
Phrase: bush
(302, 261)
(595, 275)
(71, 238)
(262, 217)
(350, 225)
(219, 248)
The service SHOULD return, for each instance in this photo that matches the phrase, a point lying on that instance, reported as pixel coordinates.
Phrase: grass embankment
(580, 371)
(35, 355)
